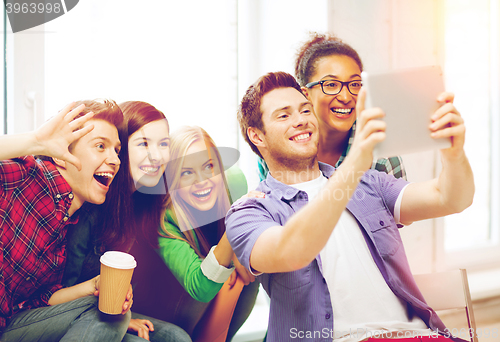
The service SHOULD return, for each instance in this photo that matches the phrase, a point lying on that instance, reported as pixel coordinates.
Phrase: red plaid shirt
(34, 202)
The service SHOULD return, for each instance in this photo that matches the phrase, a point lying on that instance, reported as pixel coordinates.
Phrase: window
(195, 68)
(269, 34)
(168, 53)
(193, 60)
(3, 122)
(471, 69)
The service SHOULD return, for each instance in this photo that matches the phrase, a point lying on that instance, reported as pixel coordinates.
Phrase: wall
(391, 34)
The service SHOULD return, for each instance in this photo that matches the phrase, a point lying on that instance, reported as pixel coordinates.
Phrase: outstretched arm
(294, 245)
(52, 139)
(453, 190)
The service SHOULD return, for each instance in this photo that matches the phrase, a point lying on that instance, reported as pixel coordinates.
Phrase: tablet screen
(408, 98)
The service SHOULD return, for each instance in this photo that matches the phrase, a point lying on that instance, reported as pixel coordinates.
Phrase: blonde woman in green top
(193, 241)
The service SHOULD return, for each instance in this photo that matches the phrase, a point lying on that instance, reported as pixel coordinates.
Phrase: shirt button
(327, 316)
(381, 223)
(58, 196)
(70, 196)
(65, 218)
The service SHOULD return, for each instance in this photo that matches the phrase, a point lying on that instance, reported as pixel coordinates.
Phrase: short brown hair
(103, 109)
(249, 112)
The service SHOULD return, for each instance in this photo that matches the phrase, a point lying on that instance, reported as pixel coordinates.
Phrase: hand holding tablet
(409, 99)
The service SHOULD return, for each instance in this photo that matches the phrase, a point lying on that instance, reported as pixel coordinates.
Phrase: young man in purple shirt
(325, 241)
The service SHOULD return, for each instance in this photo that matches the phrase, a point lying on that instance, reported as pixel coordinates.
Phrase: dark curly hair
(317, 47)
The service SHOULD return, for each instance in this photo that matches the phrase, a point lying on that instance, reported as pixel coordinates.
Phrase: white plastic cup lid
(118, 260)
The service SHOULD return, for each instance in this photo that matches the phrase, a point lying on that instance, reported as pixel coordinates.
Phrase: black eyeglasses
(331, 87)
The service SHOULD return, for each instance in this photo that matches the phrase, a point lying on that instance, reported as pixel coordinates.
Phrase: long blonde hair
(181, 140)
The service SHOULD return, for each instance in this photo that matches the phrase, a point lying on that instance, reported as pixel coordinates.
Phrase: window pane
(467, 70)
(153, 51)
(3, 41)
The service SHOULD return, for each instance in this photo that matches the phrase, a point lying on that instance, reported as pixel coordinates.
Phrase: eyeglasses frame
(346, 84)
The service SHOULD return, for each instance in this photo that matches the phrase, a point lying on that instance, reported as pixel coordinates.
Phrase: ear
(256, 136)
(305, 91)
(59, 162)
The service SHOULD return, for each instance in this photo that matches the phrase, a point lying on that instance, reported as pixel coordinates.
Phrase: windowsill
(484, 284)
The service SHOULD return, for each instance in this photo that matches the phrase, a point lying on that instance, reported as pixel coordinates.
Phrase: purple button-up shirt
(300, 306)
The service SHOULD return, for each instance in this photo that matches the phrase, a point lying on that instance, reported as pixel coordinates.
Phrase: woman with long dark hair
(132, 212)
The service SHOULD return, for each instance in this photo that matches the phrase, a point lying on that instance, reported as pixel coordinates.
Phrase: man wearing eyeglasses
(324, 242)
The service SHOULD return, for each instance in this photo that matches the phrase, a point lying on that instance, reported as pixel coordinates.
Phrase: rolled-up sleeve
(41, 297)
(247, 219)
(185, 265)
(388, 187)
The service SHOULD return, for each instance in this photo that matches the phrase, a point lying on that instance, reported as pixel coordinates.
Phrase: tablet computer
(408, 98)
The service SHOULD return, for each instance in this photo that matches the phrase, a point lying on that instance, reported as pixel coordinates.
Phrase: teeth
(202, 193)
(104, 174)
(149, 169)
(301, 137)
(342, 110)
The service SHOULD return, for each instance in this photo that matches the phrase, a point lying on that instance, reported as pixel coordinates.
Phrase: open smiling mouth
(342, 111)
(301, 137)
(149, 169)
(203, 194)
(104, 178)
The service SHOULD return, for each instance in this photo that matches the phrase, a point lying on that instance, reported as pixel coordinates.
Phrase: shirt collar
(58, 186)
(287, 191)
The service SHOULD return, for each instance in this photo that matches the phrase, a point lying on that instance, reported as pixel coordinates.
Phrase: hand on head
(56, 135)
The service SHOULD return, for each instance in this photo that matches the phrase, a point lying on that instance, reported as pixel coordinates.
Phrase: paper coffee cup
(114, 283)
